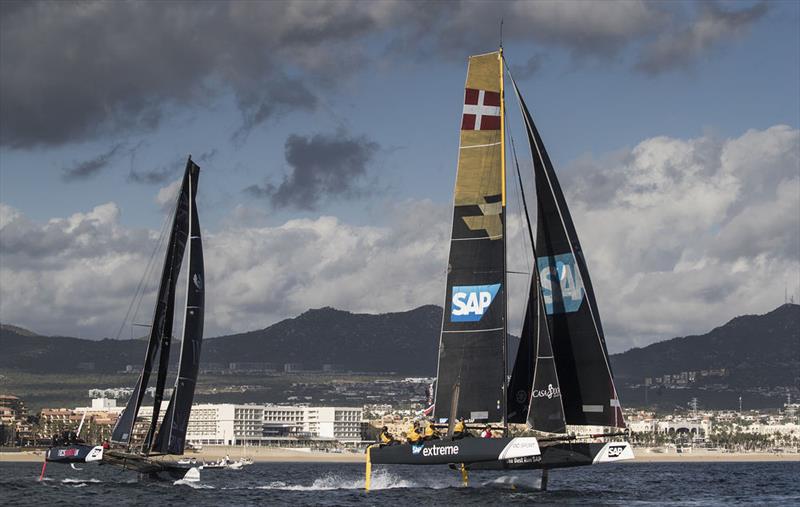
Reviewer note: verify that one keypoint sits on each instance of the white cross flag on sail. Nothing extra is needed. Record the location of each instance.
(481, 110)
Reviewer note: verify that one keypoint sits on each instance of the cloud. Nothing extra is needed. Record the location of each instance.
(686, 234)
(714, 25)
(87, 273)
(689, 233)
(75, 71)
(92, 167)
(322, 166)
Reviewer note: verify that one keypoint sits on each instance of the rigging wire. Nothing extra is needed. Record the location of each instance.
(138, 294)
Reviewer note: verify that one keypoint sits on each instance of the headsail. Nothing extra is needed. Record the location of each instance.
(161, 329)
(587, 384)
(534, 393)
(471, 370)
(172, 434)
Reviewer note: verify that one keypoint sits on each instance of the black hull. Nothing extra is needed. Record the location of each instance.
(74, 453)
(465, 450)
(564, 455)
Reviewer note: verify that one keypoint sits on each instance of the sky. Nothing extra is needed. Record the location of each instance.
(327, 134)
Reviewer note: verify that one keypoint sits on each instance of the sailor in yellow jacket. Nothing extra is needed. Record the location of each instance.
(431, 433)
(413, 434)
(387, 438)
(460, 430)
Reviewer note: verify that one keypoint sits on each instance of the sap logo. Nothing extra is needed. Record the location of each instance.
(562, 285)
(416, 449)
(445, 450)
(615, 451)
(470, 302)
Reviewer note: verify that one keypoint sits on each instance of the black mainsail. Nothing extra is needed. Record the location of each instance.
(161, 329)
(581, 358)
(172, 434)
(471, 370)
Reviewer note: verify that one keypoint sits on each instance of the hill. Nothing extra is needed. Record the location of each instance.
(762, 350)
(404, 342)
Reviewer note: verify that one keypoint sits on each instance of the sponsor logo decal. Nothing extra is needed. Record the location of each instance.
(470, 302)
(198, 282)
(562, 285)
(67, 452)
(615, 451)
(416, 448)
(521, 396)
(549, 393)
(524, 459)
(442, 450)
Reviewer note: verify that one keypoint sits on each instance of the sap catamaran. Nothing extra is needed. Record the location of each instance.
(561, 383)
(168, 438)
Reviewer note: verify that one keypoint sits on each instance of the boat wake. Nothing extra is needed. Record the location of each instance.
(514, 482)
(192, 484)
(380, 480)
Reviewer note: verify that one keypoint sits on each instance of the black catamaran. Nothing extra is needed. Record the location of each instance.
(561, 383)
(168, 438)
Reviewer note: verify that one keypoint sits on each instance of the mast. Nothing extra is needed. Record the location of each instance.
(504, 397)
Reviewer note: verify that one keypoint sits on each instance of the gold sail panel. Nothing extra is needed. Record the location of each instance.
(480, 174)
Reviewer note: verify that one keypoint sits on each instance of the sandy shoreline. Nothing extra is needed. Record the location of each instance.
(276, 455)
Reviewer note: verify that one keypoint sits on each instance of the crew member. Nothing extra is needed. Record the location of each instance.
(487, 432)
(413, 436)
(431, 433)
(460, 430)
(387, 438)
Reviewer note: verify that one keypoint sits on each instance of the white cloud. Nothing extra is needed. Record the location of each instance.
(680, 236)
(694, 232)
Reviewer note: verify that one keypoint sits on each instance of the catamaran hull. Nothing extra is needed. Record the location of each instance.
(564, 455)
(465, 450)
(75, 453)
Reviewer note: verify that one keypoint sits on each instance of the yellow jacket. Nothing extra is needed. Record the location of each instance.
(430, 431)
(386, 437)
(460, 427)
(413, 435)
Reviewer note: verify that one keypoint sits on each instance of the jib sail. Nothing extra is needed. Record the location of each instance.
(172, 434)
(534, 394)
(581, 358)
(471, 371)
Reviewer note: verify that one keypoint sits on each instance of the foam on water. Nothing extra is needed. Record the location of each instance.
(381, 479)
(192, 484)
(79, 481)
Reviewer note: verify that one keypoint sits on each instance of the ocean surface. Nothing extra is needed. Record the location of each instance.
(342, 484)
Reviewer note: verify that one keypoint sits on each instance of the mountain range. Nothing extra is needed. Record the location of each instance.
(755, 353)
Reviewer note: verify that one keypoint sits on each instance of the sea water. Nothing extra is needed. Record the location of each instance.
(343, 484)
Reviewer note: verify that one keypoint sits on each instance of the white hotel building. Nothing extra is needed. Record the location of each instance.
(257, 425)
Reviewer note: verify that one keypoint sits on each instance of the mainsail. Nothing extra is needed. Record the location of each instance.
(581, 357)
(161, 329)
(172, 434)
(471, 370)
